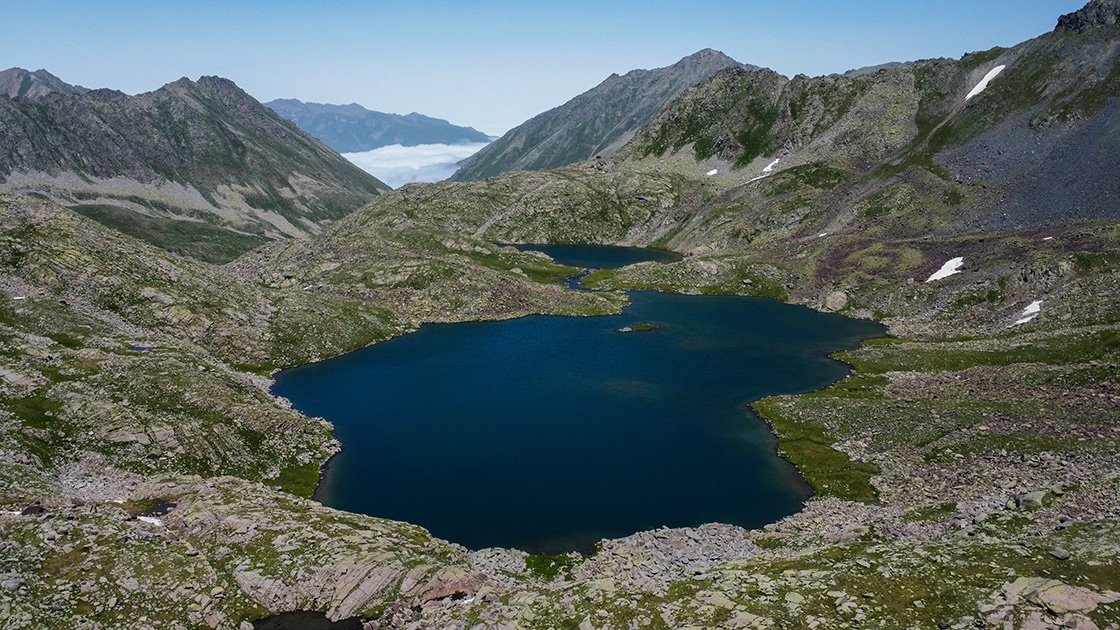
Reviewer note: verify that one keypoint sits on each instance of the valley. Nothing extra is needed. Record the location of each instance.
(964, 474)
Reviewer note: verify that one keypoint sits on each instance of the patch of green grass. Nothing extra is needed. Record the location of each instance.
(300, 480)
(535, 269)
(1096, 261)
(991, 297)
(888, 260)
(809, 448)
(1066, 349)
(888, 199)
(47, 318)
(856, 385)
(140, 507)
(974, 60)
(65, 563)
(938, 512)
(755, 136)
(992, 442)
(37, 411)
(203, 241)
(820, 175)
(743, 277)
(547, 567)
(770, 543)
(44, 434)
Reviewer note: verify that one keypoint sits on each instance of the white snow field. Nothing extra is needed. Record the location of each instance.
(1029, 313)
(983, 84)
(952, 266)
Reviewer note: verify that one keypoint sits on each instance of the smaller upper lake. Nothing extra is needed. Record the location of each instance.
(601, 256)
(549, 433)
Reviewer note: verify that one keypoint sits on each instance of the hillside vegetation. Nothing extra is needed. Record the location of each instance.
(966, 473)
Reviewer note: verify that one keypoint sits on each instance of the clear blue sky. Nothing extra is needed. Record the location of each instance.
(487, 64)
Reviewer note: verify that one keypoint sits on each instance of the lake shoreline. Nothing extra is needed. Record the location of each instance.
(792, 479)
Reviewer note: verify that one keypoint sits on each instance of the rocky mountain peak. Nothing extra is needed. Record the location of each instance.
(597, 122)
(219, 84)
(707, 53)
(20, 83)
(1096, 13)
(711, 58)
(211, 85)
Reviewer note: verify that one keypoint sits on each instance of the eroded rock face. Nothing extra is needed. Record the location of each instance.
(1057, 597)
(1096, 13)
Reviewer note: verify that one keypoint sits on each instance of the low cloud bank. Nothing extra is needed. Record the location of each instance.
(397, 165)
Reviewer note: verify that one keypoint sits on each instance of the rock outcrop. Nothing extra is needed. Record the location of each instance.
(1096, 13)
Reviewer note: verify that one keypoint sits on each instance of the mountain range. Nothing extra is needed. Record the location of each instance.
(198, 166)
(20, 83)
(353, 128)
(597, 122)
(965, 474)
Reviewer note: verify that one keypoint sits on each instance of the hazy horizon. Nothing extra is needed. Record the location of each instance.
(397, 165)
(486, 65)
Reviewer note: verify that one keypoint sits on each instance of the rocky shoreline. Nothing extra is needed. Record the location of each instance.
(1021, 516)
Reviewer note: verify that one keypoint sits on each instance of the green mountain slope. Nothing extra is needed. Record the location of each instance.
(596, 122)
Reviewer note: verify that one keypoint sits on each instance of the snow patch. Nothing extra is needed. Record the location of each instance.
(983, 84)
(1048, 238)
(20, 297)
(952, 266)
(1029, 313)
(767, 171)
(151, 520)
(712, 172)
(822, 235)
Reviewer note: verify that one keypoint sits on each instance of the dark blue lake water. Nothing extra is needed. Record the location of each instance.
(601, 256)
(550, 433)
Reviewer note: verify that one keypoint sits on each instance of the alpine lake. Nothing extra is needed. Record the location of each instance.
(548, 434)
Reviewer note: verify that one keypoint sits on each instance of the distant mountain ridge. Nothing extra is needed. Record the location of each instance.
(199, 167)
(353, 128)
(597, 122)
(20, 83)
